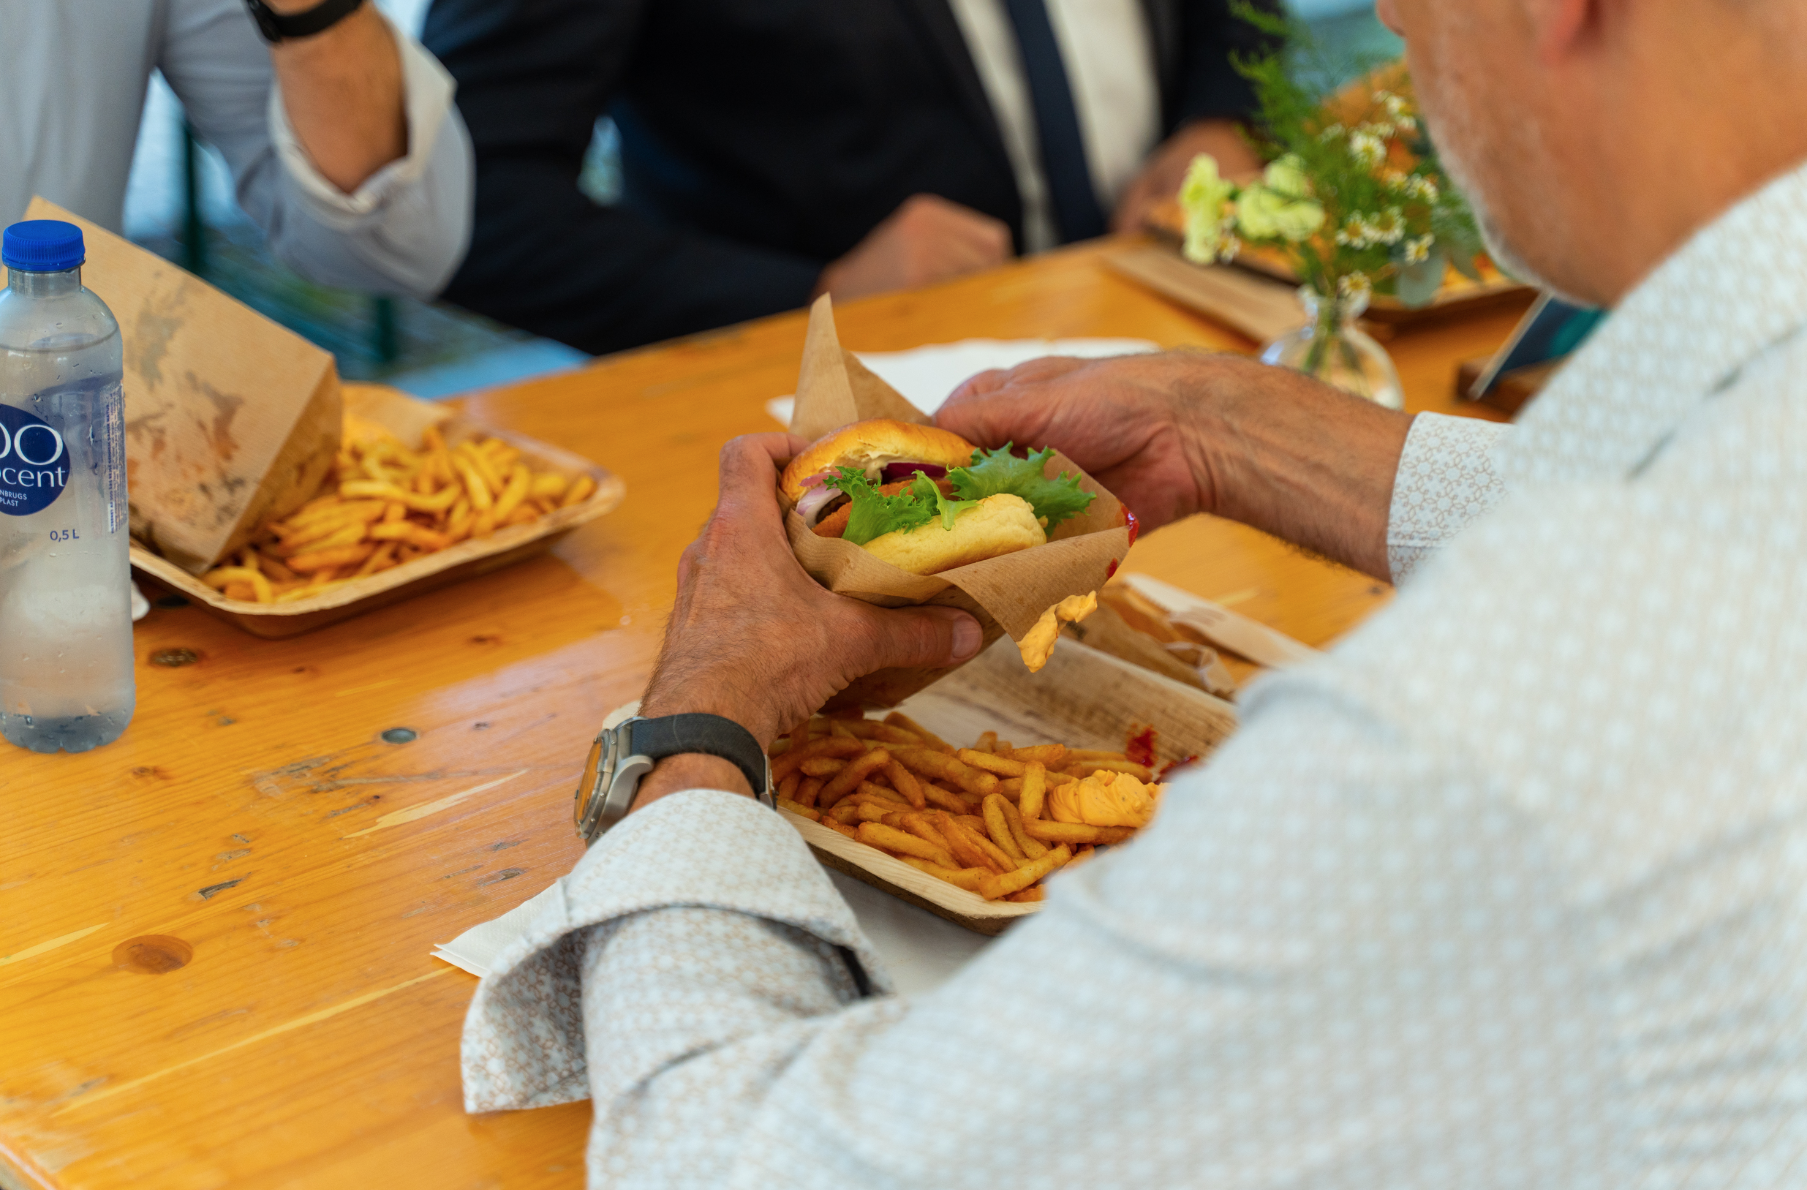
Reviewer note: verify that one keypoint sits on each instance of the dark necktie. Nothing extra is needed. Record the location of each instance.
(1064, 164)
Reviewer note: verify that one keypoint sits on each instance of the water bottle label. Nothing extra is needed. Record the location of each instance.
(34, 463)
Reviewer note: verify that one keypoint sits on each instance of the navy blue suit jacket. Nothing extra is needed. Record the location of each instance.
(760, 139)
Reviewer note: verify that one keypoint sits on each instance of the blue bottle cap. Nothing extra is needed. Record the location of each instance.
(42, 246)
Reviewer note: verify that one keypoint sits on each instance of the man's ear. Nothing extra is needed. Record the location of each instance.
(1559, 26)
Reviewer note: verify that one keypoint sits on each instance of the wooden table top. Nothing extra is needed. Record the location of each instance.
(214, 933)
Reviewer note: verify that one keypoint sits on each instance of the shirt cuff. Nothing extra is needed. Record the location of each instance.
(427, 90)
(1446, 479)
(523, 1042)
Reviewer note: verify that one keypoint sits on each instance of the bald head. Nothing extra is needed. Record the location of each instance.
(1595, 136)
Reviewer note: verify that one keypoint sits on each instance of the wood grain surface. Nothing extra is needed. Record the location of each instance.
(214, 933)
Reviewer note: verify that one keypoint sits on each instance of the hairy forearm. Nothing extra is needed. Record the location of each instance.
(343, 93)
(1302, 461)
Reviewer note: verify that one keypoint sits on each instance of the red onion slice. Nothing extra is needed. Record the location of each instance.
(810, 506)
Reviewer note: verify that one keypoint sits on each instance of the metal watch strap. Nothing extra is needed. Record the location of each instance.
(278, 27)
(711, 735)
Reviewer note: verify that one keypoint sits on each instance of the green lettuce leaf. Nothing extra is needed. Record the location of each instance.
(874, 514)
(926, 490)
(998, 471)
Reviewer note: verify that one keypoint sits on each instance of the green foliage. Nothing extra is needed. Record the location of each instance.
(1374, 210)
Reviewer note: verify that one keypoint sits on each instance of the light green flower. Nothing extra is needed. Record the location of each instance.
(1263, 213)
(1205, 198)
(1286, 177)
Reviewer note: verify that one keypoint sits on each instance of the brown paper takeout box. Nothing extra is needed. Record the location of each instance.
(1083, 698)
(230, 419)
(1007, 595)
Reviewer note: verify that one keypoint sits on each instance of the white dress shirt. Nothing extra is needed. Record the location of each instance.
(1110, 64)
(1507, 890)
(73, 75)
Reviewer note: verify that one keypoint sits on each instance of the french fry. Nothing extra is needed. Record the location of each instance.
(879, 793)
(1075, 833)
(475, 486)
(807, 790)
(381, 559)
(578, 492)
(888, 839)
(965, 848)
(936, 765)
(1001, 765)
(966, 878)
(872, 729)
(1032, 848)
(847, 813)
(993, 888)
(787, 788)
(822, 766)
(941, 799)
(905, 782)
(1035, 788)
(899, 719)
(831, 824)
(920, 826)
(821, 747)
(998, 827)
(330, 559)
(420, 535)
(520, 480)
(415, 501)
(1051, 756)
(482, 463)
(986, 742)
(1034, 893)
(848, 779)
(785, 803)
(226, 577)
(548, 485)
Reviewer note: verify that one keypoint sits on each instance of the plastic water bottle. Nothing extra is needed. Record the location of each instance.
(65, 580)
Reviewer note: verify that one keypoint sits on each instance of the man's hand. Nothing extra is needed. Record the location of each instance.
(1166, 167)
(927, 239)
(754, 639)
(342, 90)
(1182, 432)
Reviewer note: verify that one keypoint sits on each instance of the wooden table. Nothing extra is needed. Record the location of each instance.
(214, 934)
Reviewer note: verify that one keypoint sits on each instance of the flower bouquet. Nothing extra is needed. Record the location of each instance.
(1354, 202)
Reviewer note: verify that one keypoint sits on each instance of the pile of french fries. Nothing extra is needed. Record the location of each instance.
(385, 505)
(993, 819)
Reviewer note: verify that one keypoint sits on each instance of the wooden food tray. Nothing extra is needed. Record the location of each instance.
(407, 418)
(1459, 295)
(1083, 698)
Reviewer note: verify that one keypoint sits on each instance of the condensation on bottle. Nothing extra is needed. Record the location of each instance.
(65, 576)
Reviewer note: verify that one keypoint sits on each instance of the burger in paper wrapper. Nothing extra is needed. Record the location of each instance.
(888, 509)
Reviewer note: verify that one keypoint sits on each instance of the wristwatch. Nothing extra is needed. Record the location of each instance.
(622, 755)
(279, 26)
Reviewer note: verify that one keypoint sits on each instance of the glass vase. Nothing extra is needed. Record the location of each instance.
(1333, 348)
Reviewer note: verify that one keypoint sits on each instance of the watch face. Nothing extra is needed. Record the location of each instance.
(586, 785)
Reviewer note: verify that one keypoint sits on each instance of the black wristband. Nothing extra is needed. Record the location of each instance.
(711, 735)
(278, 27)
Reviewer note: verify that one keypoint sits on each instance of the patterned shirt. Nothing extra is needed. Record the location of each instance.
(1508, 890)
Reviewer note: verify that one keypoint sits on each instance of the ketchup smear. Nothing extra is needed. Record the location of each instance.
(1134, 525)
(1140, 745)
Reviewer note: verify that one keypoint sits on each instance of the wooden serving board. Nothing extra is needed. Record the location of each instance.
(407, 418)
(1082, 698)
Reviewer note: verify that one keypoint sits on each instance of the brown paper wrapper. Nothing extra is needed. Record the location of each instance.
(1006, 595)
(229, 418)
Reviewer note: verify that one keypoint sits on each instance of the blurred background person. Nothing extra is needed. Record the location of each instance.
(339, 130)
(776, 149)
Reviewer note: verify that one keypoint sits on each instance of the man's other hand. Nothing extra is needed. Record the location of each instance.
(1125, 420)
(753, 638)
(1181, 432)
(927, 239)
(1166, 167)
